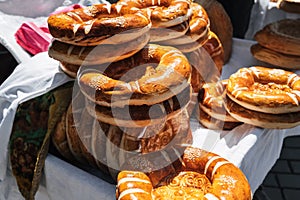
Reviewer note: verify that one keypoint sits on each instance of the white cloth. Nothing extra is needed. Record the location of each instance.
(30, 79)
(9, 25)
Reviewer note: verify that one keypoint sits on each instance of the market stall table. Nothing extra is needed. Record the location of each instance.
(253, 150)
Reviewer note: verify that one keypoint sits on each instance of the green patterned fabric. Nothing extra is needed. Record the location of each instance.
(34, 122)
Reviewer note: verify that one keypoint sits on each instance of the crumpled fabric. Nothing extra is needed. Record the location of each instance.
(32, 38)
(36, 39)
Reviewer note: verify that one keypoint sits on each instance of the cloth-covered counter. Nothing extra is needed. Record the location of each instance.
(253, 150)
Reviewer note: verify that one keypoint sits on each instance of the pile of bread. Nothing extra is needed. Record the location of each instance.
(138, 66)
(256, 95)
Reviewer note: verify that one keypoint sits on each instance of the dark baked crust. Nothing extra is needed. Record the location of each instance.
(212, 123)
(292, 6)
(282, 36)
(275, 58)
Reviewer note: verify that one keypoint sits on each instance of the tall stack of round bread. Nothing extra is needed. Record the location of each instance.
(131, 96)
(92, 35)
(136, 66)
(279, 44)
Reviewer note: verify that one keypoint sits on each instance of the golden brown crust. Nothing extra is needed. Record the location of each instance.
(69, 69)
(207, 62)
(185, 184)
(222, 173)
(211, 112)
(220, 24)
(211, 97)
(265, 89)
(275, 58)
(196, 80)
(163, 13)
(223, 179)
(263, 120)
(215, 49)
(81, 26)
(129, 181)
(281, 36)
(169, 73)
(199, 22)
(94, 55)
(192, 45)
(198, 28)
